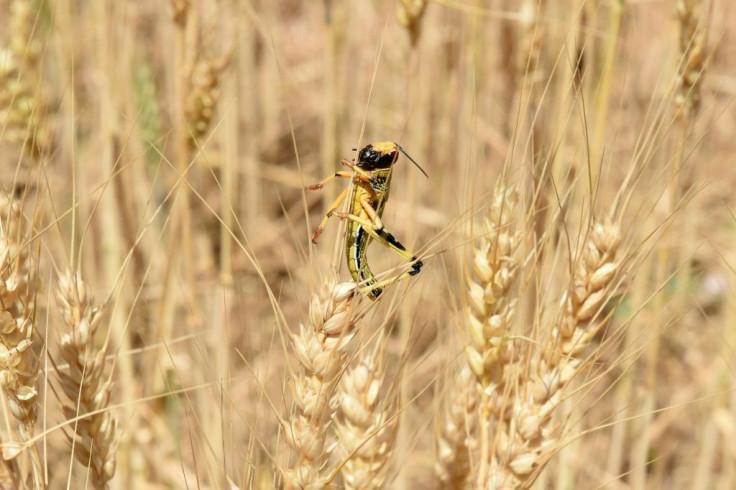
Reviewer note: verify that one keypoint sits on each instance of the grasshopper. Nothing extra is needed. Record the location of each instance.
(367, 198)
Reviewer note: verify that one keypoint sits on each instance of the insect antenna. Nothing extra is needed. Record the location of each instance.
(412, 160)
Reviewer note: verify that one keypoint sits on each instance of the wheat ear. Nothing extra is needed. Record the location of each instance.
(321, 348)
(410, 13)
(526, 437)
(491, 306)
(201, 99)
(369, 425)
(84, 382)
(19, 367)
(455, 437)
(21, 108)
(533, 33)
(692, 49)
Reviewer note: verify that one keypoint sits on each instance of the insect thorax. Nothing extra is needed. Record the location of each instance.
(380, 183)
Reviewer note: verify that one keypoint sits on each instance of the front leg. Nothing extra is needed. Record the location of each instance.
(316, 187)
(330, 212)
(359, 174)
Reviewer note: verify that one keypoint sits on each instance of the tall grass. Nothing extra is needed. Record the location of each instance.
(571, 327)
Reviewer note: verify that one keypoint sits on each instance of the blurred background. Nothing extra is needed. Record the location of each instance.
(161, 149)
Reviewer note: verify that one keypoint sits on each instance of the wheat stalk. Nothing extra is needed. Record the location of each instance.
(84, 383)
(321, 348)
(368, 429)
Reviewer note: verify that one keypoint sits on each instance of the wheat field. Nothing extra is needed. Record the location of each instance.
(166, 321)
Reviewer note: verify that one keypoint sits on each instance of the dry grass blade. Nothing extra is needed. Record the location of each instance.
(85, 383)
(321, 348)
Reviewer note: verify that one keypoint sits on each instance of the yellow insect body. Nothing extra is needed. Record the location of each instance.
(371, 184)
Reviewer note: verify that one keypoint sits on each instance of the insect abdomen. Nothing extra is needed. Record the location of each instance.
(357, 264)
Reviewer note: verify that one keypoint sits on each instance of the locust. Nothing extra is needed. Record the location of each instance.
(367, 197)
